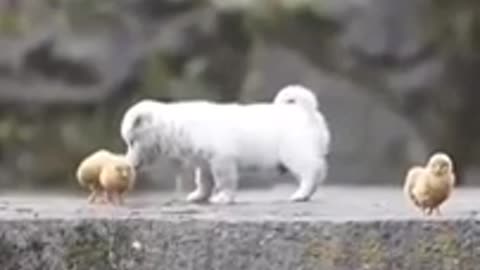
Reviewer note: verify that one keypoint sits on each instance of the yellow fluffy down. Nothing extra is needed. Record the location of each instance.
(107, 172)
(430, 186)
(117, 178)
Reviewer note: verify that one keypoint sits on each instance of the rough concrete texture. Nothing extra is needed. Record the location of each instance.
(341, 228)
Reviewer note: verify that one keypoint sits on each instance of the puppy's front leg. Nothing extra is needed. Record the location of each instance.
(204, 187)
(225, 176)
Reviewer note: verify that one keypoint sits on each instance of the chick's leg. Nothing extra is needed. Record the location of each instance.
(115, 198)
(108, 197)
(100, 196)
(94, 192)
(421, 211)
(91, 198)
(121, 198)
(438, 212)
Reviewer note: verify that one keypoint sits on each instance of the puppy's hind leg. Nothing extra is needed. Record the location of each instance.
(306, 189)
(204, 187)
(308, 175)
(305, 163)
(226, 181)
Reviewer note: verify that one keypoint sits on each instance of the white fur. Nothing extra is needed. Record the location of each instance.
(229, 137)
(299, 95)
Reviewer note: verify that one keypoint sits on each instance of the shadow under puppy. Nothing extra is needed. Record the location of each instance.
(108, 173)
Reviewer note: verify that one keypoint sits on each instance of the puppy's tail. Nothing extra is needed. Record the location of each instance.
(297, 94)
(305, 98)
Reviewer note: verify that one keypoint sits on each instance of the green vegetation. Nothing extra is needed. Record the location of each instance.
(10, 23)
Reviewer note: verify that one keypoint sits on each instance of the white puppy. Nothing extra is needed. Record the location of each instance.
(229, 137)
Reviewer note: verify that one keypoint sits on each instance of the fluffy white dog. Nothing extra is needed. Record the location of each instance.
(289, 133)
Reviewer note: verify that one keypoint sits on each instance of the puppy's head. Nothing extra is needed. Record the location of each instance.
(296, 94)
(440, 164)
(136, 118)
(136, 131)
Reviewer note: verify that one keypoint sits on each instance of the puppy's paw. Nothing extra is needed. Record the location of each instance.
(299, 197)
(197, 196)
(223, 197)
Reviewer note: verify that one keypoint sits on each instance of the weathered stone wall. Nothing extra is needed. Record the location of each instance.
(340, 229)
(396, 80)
(184, 243)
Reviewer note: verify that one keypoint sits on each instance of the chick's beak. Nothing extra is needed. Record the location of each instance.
(124, 173)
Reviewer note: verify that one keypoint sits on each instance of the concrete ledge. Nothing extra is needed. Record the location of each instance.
(345, 229)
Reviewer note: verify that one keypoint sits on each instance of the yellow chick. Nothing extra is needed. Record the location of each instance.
(88, 172)
(117, 177)
(428, 187)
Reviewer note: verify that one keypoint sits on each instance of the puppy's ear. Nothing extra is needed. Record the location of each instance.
(140, 123)
(142, 120)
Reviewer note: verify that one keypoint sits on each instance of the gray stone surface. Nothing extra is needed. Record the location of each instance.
(341, 228)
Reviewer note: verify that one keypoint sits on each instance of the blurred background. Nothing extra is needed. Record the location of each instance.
(395, 79)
